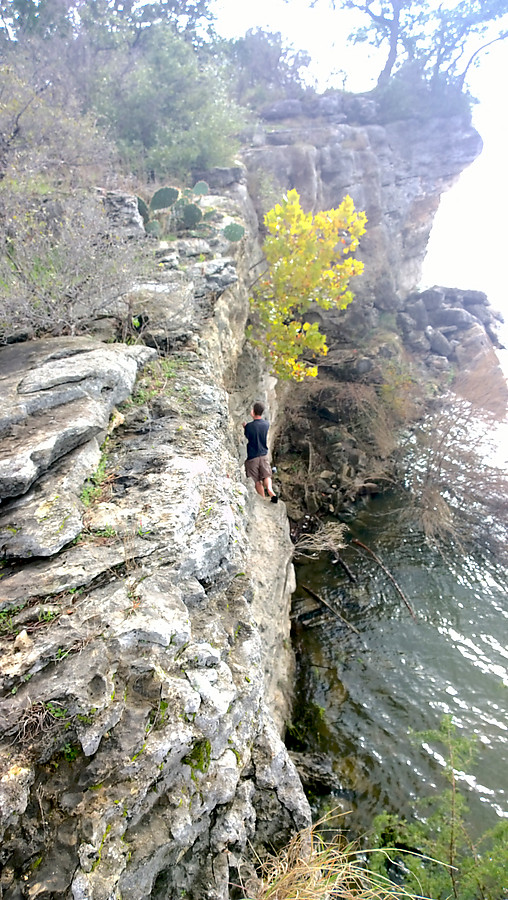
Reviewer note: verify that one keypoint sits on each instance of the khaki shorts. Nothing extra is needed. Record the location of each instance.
(258, 468)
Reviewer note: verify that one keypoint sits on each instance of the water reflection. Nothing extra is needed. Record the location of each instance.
(396, 676)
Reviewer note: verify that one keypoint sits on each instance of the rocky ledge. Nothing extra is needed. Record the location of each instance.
(143, 607)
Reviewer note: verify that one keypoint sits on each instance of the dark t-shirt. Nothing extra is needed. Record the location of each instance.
(256, 432)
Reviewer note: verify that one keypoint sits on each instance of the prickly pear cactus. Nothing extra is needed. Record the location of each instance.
(233, 232)
(164, 198)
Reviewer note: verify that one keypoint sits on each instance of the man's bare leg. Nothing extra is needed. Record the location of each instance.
(268, 485)
(260, 489)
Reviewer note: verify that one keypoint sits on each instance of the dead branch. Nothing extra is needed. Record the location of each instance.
(389, 574)
(329, 537)
(331, 608)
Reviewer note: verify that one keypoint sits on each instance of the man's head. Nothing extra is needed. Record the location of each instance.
(258, 409)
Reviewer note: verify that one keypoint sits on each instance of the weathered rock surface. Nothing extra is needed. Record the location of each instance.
(394, 170)
(145, 644)
(58, 394)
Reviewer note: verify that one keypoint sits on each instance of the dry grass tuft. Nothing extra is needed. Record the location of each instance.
(312, 869)
(329, 536)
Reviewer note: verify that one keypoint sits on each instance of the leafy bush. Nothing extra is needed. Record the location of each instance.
(446, 862)
(61, 263)
(157, 104)
(310, 261)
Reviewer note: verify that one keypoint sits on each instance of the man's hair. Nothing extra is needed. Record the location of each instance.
(258, 408)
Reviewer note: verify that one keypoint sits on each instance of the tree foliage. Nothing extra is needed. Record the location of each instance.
(310, 260)
(264, 68)
(445, 861)
(142, 70)
(43, 133)
(156, 102)
(442, 38)
(20, 19)
(60, 260)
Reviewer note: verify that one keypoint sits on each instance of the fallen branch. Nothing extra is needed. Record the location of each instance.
(345, 567)
(389, 574)
(331, 608)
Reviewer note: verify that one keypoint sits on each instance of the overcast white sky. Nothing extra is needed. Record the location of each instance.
(469, 242)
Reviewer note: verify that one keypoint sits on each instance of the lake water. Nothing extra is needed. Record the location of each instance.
(398, 675)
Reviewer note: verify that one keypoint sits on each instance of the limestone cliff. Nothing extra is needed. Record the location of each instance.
(144, 611)
(144, 597)
(395, 170)
(338, 434)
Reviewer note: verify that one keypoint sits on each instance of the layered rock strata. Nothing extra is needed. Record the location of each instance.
(143, 603)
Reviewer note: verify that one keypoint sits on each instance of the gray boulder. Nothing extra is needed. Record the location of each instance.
(439, 344)
(457, 316)
(58, 393)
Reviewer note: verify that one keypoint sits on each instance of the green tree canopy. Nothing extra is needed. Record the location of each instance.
(138, 69)
(265, 68)
(46, 18)
(156, 101)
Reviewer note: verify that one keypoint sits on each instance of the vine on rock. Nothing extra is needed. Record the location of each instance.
(310, 260)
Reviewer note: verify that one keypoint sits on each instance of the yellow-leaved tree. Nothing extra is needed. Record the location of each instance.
(310, 260)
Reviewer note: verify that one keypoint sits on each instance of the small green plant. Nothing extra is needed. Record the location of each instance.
(99, 852)
(106, 532)
(93, 486)
(154, 380)
(140, 751)
(71, 752)
(47, 615)
(6, 619)
(157, 716)
(56, 710)
(446, 862)
(83, 719)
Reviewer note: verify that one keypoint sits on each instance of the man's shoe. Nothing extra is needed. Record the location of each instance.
(274, 499)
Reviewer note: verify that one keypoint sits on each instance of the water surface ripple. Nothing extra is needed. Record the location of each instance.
(399, 675)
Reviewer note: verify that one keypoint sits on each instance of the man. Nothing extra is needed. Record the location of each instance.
(257, 465)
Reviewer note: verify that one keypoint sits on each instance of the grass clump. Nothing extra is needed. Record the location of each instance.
(94, 486)
(312, 868)
(154, 381)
